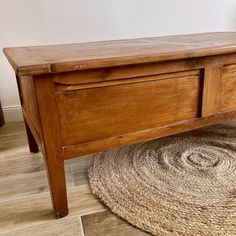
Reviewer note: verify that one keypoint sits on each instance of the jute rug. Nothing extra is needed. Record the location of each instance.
(180, 185)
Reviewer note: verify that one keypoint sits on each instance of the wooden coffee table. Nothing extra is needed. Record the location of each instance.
(84, 98)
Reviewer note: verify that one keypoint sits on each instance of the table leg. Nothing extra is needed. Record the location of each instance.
(2, 121)
(51, 146)
(57, 183)
(33, 146)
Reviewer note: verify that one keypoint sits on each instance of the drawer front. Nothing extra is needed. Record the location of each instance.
(228, 89)
(100, 112)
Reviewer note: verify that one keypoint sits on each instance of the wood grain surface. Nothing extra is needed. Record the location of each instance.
(70, 57)
(228, 91)
(211, 91)
(51, 147)
(106, 223)
(99, 113)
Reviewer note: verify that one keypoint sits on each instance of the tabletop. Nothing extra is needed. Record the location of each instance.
(36, 60)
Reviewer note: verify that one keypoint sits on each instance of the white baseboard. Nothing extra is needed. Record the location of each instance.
(12, 113)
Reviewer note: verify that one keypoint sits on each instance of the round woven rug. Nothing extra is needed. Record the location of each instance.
(180, 185)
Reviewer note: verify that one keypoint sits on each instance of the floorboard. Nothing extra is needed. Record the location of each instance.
(25, 200)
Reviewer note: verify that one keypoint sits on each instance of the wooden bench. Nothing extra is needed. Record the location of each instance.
(84, 98)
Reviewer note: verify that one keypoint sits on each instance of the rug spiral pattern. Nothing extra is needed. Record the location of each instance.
(180, 185)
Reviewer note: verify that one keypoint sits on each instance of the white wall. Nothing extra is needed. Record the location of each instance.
(34, 22)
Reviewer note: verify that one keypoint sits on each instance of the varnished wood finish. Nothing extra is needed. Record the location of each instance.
(33, 146)
(63, 85)
(144, 135)
(141, 70)
(52, 144)
(71, 57)
(99, 113)
(211, 91)
(148, 134)
(30, 111)
(29, 100)
(83, 98)
(228, 91)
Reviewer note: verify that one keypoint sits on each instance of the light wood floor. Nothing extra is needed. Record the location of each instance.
(25, 206)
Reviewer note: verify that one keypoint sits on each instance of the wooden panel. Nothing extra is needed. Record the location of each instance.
(228, 91)
(100, 113)
(37, 135)
(69, 87)
(29, 100)
(72, 57)
(211, 91)
(133, 71)
(144, 135)
(229, 69)
(30, 111)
